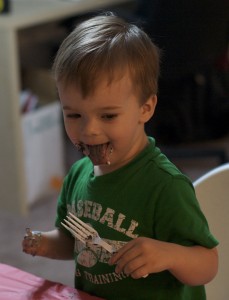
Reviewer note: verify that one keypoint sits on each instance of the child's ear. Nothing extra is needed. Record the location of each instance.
(148, 109)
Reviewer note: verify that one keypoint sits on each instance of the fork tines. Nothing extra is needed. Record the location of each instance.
(78, 228)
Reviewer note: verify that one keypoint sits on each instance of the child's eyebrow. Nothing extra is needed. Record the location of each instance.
(111, 107)
(66, 107)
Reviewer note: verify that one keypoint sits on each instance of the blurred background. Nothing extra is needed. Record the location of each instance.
(191, 123)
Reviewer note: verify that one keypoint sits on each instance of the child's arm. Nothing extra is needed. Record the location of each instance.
(194, 265)
(52, 244)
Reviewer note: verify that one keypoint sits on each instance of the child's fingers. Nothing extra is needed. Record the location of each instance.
(132, 264)
(28, 245)
(116, 257)
(140, 272)
(128, 264)
(31, 242)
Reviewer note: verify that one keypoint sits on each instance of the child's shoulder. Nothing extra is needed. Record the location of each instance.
(80, 166)
(161, 167)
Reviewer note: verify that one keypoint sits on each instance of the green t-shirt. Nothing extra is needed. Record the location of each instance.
(147, 197)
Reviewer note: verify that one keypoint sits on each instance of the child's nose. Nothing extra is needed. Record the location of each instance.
(90, 127)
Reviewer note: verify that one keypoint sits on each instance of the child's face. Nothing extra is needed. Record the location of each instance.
(108, 124)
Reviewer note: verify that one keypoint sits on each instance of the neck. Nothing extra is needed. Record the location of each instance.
(100, 170)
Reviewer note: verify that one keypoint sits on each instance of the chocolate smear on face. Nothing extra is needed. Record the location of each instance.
(98, 154)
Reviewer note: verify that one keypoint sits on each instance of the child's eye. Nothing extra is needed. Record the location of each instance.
(73, 116)
(109, 117)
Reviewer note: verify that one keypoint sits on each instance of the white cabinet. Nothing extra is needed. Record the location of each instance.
(43, 150)
(14, 156)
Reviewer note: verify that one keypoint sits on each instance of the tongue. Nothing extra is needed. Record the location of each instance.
(98, 154)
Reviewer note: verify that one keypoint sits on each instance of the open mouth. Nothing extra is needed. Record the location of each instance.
(99, 154)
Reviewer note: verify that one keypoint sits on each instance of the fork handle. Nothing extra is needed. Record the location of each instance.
(106, 246)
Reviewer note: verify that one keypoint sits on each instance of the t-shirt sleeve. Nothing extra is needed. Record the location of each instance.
(179, 218)
(62, 207)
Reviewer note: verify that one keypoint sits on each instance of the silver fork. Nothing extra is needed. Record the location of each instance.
(84, 232)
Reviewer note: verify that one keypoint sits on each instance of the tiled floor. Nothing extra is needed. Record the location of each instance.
(42, 215)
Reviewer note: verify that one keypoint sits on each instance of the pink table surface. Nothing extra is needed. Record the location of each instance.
(16, 284)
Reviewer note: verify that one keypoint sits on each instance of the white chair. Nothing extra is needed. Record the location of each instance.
(212, 190)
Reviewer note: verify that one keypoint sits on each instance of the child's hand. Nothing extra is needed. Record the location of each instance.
(31, 242)
(53, 244)
(142, 256)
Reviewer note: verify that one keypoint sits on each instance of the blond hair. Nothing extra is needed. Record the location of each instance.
(106, 45)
